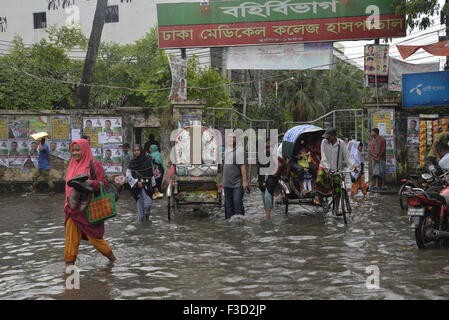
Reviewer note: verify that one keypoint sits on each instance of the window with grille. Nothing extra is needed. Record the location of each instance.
(40, 20)
(111, 14)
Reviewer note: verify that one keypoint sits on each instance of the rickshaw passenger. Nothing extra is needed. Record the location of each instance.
(301, 167)
(334, 157)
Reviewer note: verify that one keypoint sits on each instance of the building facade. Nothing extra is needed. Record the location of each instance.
(126, 20)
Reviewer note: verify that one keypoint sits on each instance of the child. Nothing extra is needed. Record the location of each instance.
(357, 178)
(302, 170)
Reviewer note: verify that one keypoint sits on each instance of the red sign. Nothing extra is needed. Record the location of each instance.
(293, 31)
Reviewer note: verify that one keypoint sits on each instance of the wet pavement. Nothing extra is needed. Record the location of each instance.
(199, 255)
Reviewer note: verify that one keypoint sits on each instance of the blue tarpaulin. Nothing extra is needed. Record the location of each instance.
(292, 135)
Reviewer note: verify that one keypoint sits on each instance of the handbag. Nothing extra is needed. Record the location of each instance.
(156, 172)
(111, 188)
(102, 207)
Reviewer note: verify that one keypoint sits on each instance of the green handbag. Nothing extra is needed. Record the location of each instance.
(102, 207)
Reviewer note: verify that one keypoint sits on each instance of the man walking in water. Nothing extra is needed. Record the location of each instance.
(43, 167)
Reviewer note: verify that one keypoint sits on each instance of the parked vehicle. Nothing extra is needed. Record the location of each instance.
(428, 211)
(190, 183)
(424, 181)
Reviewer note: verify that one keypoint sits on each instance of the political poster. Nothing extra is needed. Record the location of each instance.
(96, 152)
(60, 128)
(34, 152)
(4, 149)
(18, 129)
(18, 153)
(60, 149)
(38, 124)
(103, 131)
(112, 160)
(3, 128)
(376, 64)
(413, 131)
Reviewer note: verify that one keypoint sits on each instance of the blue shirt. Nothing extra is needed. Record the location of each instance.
(43, 161)
(444, 163)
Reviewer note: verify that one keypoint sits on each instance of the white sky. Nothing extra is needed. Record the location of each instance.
(355, 49)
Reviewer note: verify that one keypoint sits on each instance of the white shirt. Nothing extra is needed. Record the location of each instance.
(444, 163)
(329, 155)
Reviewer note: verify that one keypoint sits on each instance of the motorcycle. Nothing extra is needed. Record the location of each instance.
(425, 181)
(428, 211)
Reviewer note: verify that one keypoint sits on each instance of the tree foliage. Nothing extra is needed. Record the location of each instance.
(418, 12)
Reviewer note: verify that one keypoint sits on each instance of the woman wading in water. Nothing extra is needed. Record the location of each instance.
(76, 225)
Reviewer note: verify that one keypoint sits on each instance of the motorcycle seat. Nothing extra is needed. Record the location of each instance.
(444, 199)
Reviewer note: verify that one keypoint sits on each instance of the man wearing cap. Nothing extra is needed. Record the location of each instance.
(334, 157)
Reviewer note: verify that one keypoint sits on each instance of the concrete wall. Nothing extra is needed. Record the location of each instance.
(131, 118)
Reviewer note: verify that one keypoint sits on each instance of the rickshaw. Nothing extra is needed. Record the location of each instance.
(287, 193)
(194, 179)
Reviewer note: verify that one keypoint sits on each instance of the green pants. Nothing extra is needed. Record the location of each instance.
(46, 176)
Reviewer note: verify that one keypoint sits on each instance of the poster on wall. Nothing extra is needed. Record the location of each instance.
(3, 128)
(103, 131)
(412, 131)
(18, 129)
(376, 64)
(384, 121)
(38, 124)
(34, 153)
(96, 152)
(4, 153)
(60, 149)
(60, 128)
(112, 160)
(18, 153)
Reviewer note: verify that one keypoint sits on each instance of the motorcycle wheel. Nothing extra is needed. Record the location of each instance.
(423, 236)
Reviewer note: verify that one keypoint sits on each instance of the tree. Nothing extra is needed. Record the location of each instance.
(418, 12)
(31, 76)
(91, 56)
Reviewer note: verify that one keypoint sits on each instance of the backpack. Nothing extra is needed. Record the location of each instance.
(111, 188)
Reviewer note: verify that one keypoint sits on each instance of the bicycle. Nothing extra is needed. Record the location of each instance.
(344, 197)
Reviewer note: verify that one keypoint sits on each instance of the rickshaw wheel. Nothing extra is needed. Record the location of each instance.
(284, 201)
(171, 206)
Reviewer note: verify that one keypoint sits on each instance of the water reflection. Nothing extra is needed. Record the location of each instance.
(199, 255)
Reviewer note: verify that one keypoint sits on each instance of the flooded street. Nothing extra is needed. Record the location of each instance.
(202, 256)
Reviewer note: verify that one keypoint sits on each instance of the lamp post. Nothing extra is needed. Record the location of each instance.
(278, 83)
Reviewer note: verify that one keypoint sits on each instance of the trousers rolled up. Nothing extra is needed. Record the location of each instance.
(45, 174)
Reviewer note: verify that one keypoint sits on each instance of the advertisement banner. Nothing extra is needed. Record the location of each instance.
(298, 56)
(398, 68)
(178, 69)
(234, 23)
(425, 89)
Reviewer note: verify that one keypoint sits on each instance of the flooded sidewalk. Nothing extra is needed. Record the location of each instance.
(199, 255)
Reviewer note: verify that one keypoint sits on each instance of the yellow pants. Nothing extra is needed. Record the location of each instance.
(73, 239)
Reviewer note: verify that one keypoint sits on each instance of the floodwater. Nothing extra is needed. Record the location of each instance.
(202, 256)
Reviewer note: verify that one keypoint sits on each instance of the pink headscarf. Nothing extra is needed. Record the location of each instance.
(78, 167)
